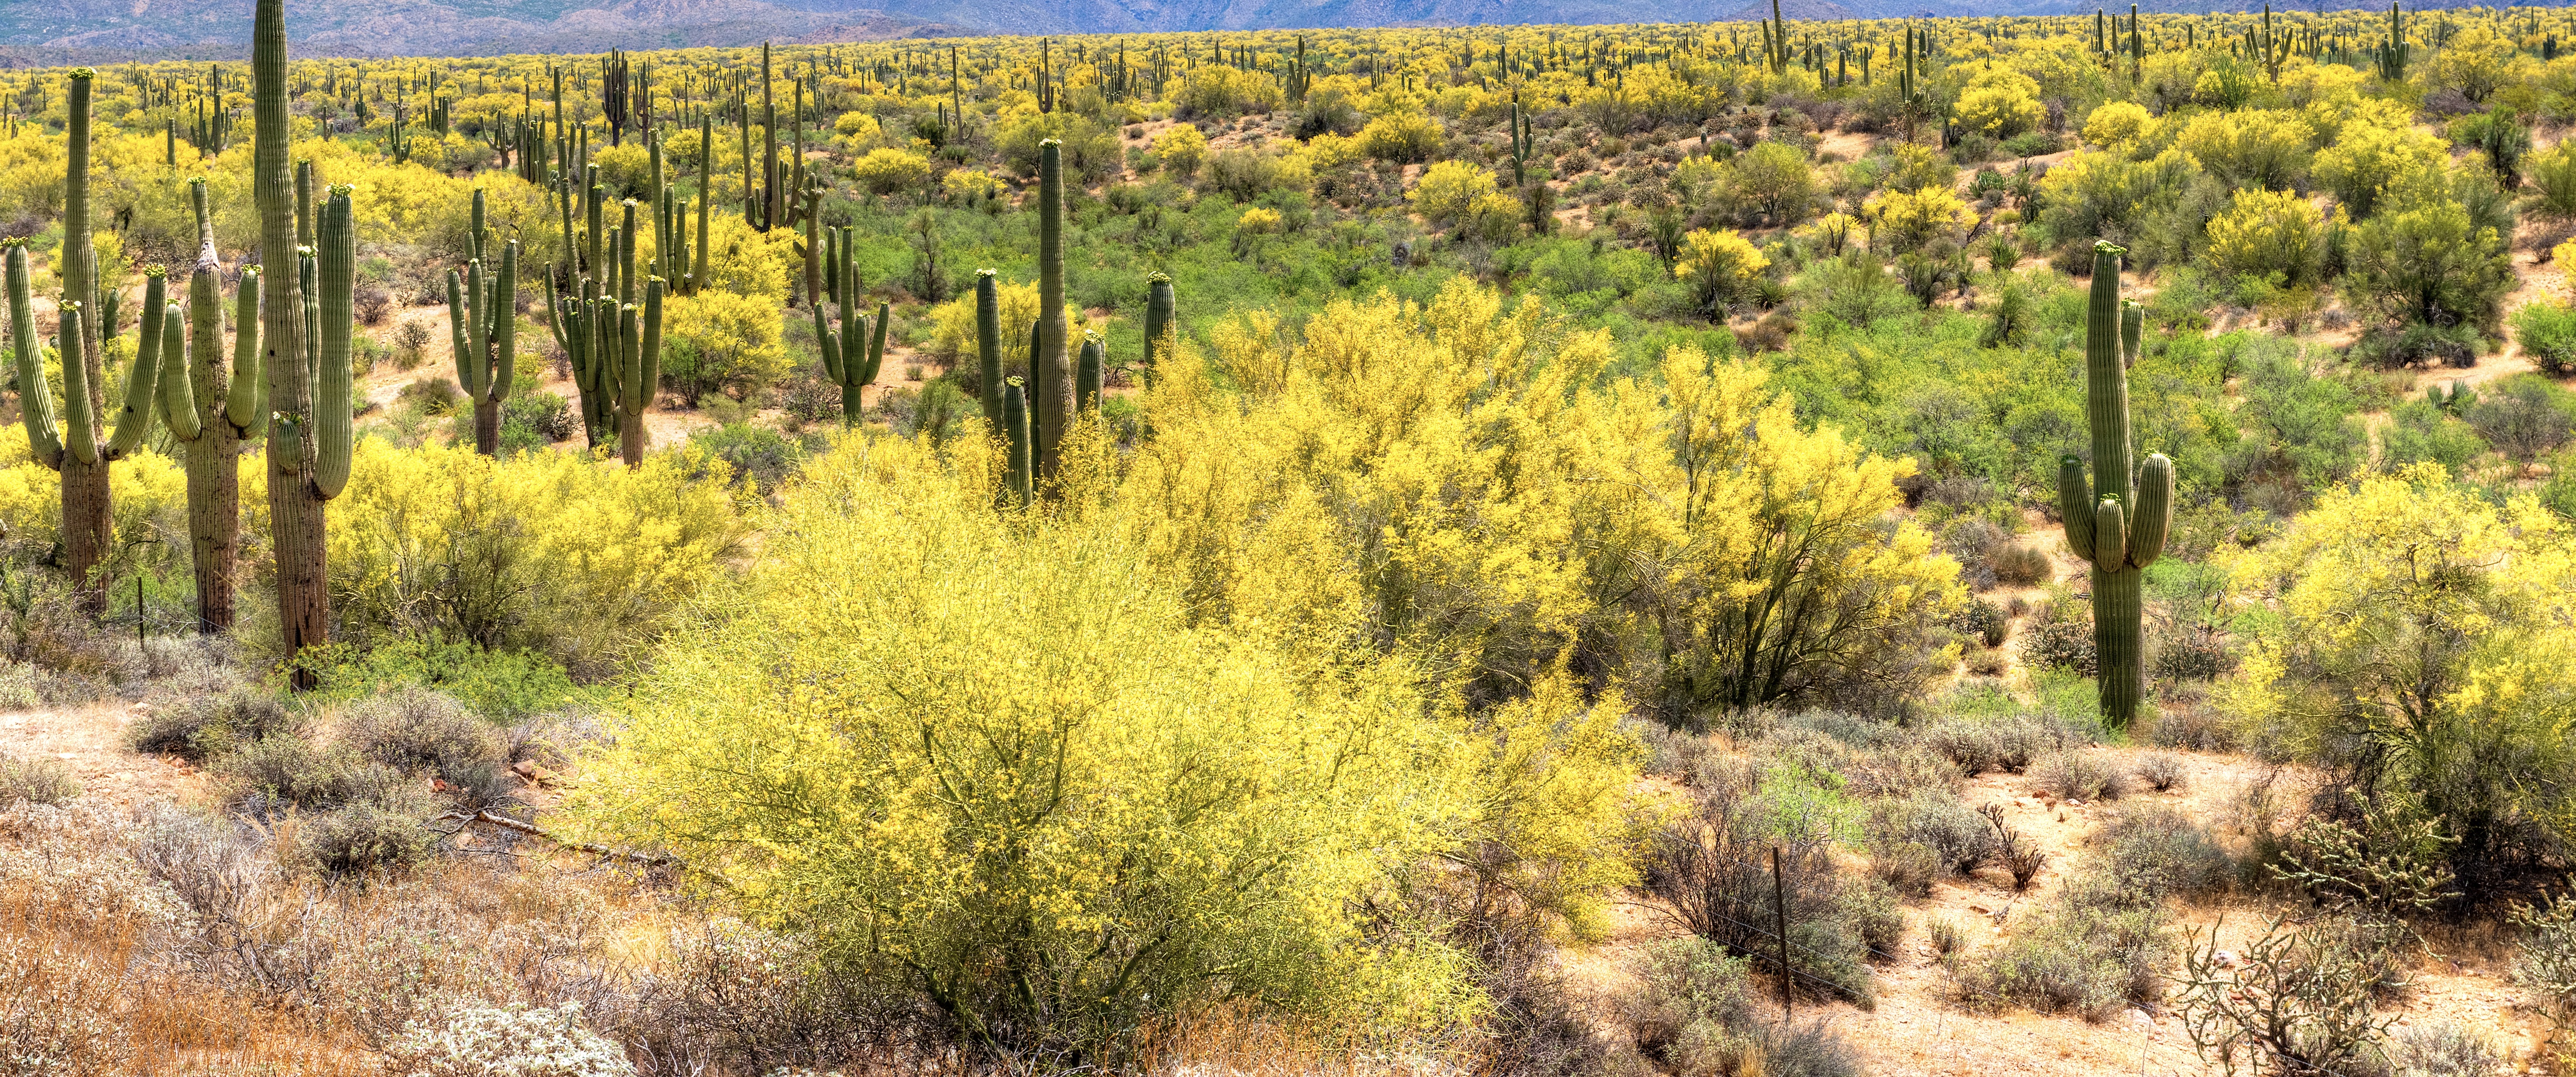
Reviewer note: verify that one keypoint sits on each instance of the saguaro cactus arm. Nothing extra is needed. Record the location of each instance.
(2149, 524)
(35, 398)
(246, 401)
(178, 399)
(142, 383)
(335, 265)
(80, 434)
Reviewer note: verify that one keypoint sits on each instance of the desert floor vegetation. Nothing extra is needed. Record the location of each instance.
(1966, 546)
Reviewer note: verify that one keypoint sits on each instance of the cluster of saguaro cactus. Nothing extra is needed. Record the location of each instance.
(209, 409)
(483, 322)
(2117, 521)
(2390, 57)
(852, 355)
(1775, 41)
(614, 344)
(73, 449)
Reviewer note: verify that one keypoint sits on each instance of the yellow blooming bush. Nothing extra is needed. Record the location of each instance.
(2264, 232)
(886, 170)
(1720, 267)
(580, 558)
(1905, 220)
(2118, 123)
(1447, 191)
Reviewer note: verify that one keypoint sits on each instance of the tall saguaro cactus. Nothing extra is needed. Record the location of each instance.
(988, 342)
(1047, 368)
(209, 409)
(308, 444)
(86, 530)
(2117, 521)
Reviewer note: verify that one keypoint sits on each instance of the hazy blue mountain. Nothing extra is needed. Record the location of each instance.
(55, 31)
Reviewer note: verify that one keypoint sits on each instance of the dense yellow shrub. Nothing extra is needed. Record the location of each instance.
(2264, 232)
(1905, 220)
(2257, 147)
(994, 759)
(583, 559)
(886, 170)
(1403, 137)
(2117, 123)
(1182, 149)
(1452, 479)
(1449, 189)
(718, 341)
(1719, 266)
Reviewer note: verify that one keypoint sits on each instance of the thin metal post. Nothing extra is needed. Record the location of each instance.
(1780, 922)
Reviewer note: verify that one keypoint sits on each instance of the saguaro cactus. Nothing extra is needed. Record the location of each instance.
(209, 409)
(86, 530)
(1016, 483)
(1086, 375)
(852, 356)
(1047, 368)
(1160, 325)
(988, 343)
(2117, 521)
(483, 325)
(308, 450)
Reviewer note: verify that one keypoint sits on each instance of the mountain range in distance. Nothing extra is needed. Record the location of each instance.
(44, 32)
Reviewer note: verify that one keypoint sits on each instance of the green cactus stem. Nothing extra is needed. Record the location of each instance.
(1047, 366)
(87, 530)
(35, 397)
(336, 263)
(1160, 328)
(142, 385)
(1086, 375)
(988, 342)
(295, 502)
(2117, 521)
(1016, 482)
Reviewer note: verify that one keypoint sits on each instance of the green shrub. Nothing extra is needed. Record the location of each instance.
(434, 395)
(759, 457)
(2418, 431)
(2161, 852)
(2547, 332)
(2524, 416)
(415, 730)
(361, 837)
(2075, 774)
(269, 776)
(2097, 948)
(504, 687)
(542, 415)
(2054, 643)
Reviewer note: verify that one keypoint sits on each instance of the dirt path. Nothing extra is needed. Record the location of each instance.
(91, 740)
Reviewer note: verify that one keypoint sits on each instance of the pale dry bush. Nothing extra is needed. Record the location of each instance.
(467, 1038)
(57, 1016)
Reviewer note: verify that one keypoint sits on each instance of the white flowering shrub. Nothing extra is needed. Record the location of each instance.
(475, 1039)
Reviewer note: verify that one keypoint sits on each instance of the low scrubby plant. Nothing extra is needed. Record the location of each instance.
(2075, 774)
(469, 1038)
(2162, 771)
(202, 727)
(2095, 949)
(37, 781)
(1694, 1011)
(2162, 852)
